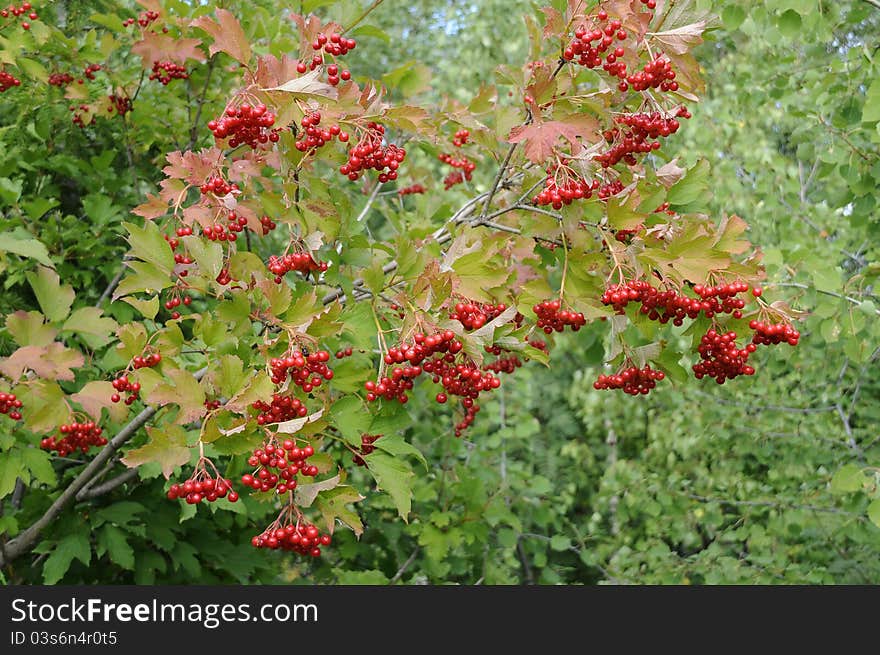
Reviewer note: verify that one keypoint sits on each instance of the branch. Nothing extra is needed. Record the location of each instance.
(111, 286)
(193, 131)
(369, 204)
(768, 503)
(107, 487)
(799, 285)
(497, 181)
(405, 566)
(28, 539)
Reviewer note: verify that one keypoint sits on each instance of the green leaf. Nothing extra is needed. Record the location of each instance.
(73, 546)
(789, 23)
(10, 470)
(848, 478)
(184, 391)
(394, 476)
(733, 16)
(114, 542)
(55, 300)
(167, 446)
(871, 110)
(26, 247)
(207, 254)
(148, 244)
(333, 505)
(559, 542)
(90, 320)
(351, 417)
(395, 444)
(30, 329)
(144, 277)
(874, 512)
(39, 463)
(694, 185)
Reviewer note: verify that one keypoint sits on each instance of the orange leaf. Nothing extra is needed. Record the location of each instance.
(227, 34)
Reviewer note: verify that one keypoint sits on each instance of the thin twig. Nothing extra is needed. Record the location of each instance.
(405, 566)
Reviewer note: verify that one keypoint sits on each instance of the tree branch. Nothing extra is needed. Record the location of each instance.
(111, 484)
(28, 539)
(405, 566)
(194, 130)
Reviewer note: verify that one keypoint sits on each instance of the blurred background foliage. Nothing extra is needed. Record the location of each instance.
(772, 481)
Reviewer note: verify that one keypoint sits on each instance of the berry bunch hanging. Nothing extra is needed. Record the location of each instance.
(7, 81)
(371, 152)
(632, 380)
(282, 408)
(10, 405)
(291, 532)
(553, 318)
(411, 189)
(302, 262)
(367, 447)
(203, 484)
(75, 437)
(165, 71)
(245, 125)
(563, 185)
(307, 371)
(474, 315)
(312, 137)
(277, 466)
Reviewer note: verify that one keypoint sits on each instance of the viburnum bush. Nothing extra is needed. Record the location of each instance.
(253, 260)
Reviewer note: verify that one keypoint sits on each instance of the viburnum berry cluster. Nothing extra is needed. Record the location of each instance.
(505, 364)
(334, 45)
(7, 81)
(75, 437)
(302, 262)
(10, 405)
(563, 185)
(120, 104)
(291, 532)
(553, 318)
(267, 224)
(245, 125)
(664, 306)
(60, 79)
(632, 380)
(280, 409)
(218, 186)
(628, 143)
(20, 10)
(278, 465)
(203, 484)
(721, 358)
(474, 315)
(123, 385)
(411, 189)
(143, 19)
(461, 137)
(371, 152)
(313, 137)
(307, 371)
(770, 334)
(228, 232)
(465, 170)
(165, 71)
(345, 352)
(367, 447)
(89, 71)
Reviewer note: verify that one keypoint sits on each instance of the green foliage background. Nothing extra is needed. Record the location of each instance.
(771, 479)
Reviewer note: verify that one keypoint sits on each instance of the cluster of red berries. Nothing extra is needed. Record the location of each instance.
(267, 224)
(335, 45)
(303, 538)
(175, 301)
(657, 73)
(211, 405)
(123, 385)
(90, 70)
(552, 318)
(224, 277)
(770, 334)
(721, 359)
(281, 409)
(302, 262)
(75, 437)
(60, 79)
(21, 10)
(470, 413)
(367, 447)
(412, 188)
(345, 352)
(633, 380)
(9, 405)
(474, 315)
(460, 138)
(165, 71)
(218, 186)
(307, 371)
(77, 116)
(144, 19)
(8, 81)
(203, 487)
(147, 361)
(562, 186)
(277, 466)
(609, 189)
(245, 125)
(396, 386)
(371, 153)
(669, 305)
(120, 104)
(465, 169)
(335, 74)
(313, 137)
(588, 47)
(507, 364)
(228, 232)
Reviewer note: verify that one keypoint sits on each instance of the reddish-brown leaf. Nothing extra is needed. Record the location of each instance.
(540, 139)
(161, 47)
(53, 362)
(227, 34)
(153, 208)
